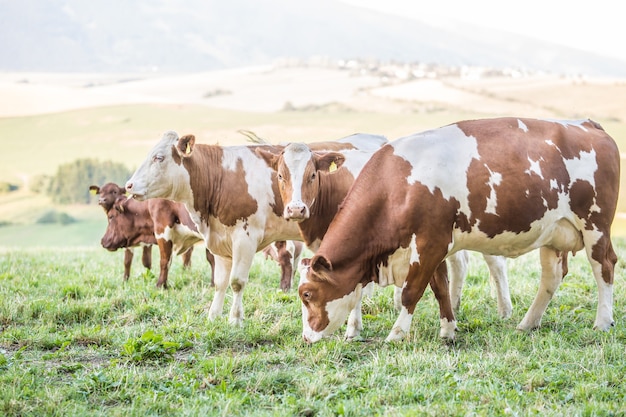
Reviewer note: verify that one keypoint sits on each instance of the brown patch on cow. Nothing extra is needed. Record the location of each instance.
(278, 206)
(218, 192)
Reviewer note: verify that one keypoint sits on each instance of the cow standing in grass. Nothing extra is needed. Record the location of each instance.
(313, 185)
(157, 221)
(231, 194)
(499, 186)
(107, 194)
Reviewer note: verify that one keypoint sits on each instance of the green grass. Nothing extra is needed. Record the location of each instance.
(76, 340)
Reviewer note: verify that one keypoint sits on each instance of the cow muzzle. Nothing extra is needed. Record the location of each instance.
(296, 210)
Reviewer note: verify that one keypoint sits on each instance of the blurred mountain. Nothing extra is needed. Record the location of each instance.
(200, 35)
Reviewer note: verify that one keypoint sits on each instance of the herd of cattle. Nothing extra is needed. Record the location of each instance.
(379, 211)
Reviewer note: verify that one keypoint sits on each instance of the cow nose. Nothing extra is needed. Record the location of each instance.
(129, 186)
(296, 210)
(306, 339)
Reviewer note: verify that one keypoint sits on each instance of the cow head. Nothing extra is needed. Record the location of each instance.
(129, 224)
(325, 304)
(298, 170)
(115, 236)
(162, 174)
(108, 193)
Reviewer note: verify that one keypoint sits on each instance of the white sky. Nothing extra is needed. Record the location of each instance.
(598, 26)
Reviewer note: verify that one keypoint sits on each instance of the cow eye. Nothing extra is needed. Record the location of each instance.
(313, 175)
(280, 177)
(158, 158)
(306, 295)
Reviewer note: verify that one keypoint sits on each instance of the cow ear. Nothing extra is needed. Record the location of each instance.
(185, 145)
(269, 155)
(329, 161)
(321, 266)
(94, 189)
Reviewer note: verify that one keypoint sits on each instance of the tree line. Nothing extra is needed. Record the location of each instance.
(70, 184)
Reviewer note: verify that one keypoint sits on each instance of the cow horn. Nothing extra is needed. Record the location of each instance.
(253, 137)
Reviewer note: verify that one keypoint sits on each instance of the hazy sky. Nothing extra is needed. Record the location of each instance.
(598, 25)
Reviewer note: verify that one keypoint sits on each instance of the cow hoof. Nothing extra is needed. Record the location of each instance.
(527, 325)
(604, 326)
(506, 314)
(235, 321)
(448, 329)
(396, 335)
(352, 335)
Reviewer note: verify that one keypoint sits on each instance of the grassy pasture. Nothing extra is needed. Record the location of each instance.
(76, 340)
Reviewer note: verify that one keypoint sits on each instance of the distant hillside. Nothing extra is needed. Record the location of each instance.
(200, 35)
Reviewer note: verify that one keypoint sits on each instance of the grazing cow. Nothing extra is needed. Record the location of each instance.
(108, 193)
(287, 255)
(155, 221)
(231, 194)
(313, 185)
(501, 186)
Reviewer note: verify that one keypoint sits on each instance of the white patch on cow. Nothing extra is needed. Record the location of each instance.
(447, 329)
(296, 157)
(356, 160)
(340, 308)
(521, 125)
(365, 141)
(398, 264)
(401, 327)
(181, 236)
(567, 123)
(582, 168)
(452, 156)
(554, 184)
(534, 168)
(495, 179)
(337, 310)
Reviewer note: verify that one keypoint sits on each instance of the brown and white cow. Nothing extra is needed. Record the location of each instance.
(157, 221)
(287, 255)
(107, 194)
(231, 194)
(313, 185)
(499, 186)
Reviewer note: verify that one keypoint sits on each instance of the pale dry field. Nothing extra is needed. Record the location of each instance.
(268, 89)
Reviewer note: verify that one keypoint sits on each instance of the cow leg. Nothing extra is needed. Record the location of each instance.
(128, 260)
(551, 276)
(439, 285)
(286, 266)
(211, 260)
(458, 262)
(146, 256)
(187, 257)
(499, 281)
(242, 262)
(165, 252)
(397, 297)
(416, 282)
(355, 320)
(603, 271)
(220, 276)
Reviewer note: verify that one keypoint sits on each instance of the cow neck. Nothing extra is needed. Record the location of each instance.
(218, 192)
(362, 235)
(332, 190)
(143, 227)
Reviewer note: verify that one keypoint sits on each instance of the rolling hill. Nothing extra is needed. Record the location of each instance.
(201, 35)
